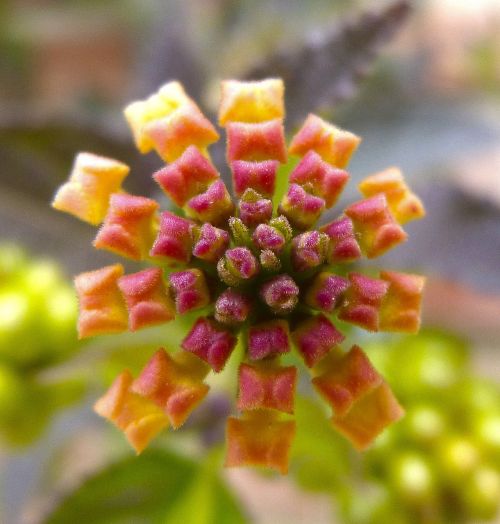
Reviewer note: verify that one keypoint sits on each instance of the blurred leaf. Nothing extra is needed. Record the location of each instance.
(158, 486)
(327, 70)
(466, 231)
(320, 456)
(25, 416)
(38, 152)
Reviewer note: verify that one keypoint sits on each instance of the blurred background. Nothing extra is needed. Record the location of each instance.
(420, 82)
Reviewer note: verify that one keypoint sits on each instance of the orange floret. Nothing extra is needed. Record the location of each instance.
(102, 309)
(256, 141)
(403, 203)
(147, 299)
(256, 101)
(185, 127)
(400, 309)
(260, 438)
(129, 227)
(369, 417)
(174, 383)
(139, 418)
(92, 180)
(376, 229)
(169, 121)
(333, 144)
(266, 387)
(164, 102)
(346, 380)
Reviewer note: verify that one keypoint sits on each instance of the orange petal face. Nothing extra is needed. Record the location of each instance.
(403, 203)
(347, 380)
(164, 102)
(139, 418)
(102, 309)
(92, 180)
(266, 387)
(251, 101)
(375, 226)
(147, 299)
(333, 144)
(173, 384)
(259, 439)
(173, 134)
(213, 206)
(187, 177)
(400, 310)
(363, 300)
(343, 245)
(129, 227)
(315, 337)
(174, 240)
(325, 180)
(369, 417)
(256, 142)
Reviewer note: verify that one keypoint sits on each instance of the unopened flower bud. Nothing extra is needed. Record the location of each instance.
(138, 417)
(190, 290)
(210, 342)
(326, 181)
(268, 237)
(363, 301)
(300, 207)
(268, 339)
(315, 337)
(240, 232)
(210, 243)
(266, 387)
(403, 203)
(174, 383)
(269, 261)
(237, 265)
(260, 438)
(281, 294)
(93, 179)
(343, 245)
(309, 250)
(400, 310)
(255, 101)
(232, 307)
(102, 308)
(325, 291)
(214, 205)
(254, 209)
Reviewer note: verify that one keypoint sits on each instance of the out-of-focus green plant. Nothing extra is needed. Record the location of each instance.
(37, 318)
(441, 463)
(157, 487)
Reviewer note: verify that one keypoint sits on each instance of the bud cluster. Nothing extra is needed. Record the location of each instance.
(258, 270)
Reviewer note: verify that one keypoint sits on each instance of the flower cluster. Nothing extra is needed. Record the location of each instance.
(272, 280)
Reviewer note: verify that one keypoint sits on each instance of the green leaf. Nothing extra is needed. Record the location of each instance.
(158, 486)
(207, 493)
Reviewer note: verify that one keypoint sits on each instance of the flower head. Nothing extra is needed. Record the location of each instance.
(271, 278)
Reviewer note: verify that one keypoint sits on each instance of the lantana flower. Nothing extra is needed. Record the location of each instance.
(273, 279)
